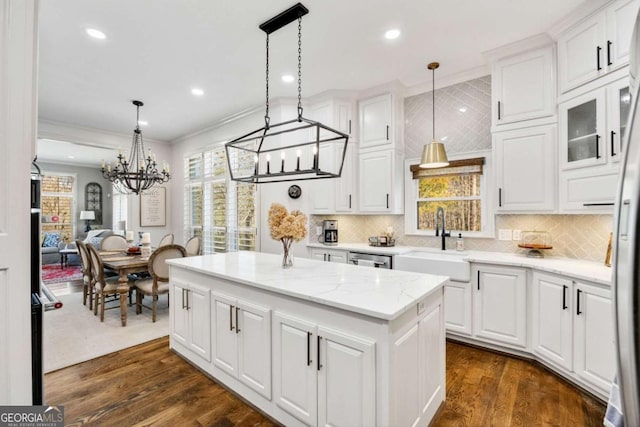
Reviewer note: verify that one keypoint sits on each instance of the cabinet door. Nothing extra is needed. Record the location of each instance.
(375, 181)
(582, 53)
(346, 380)
(524, 87)
(526, 169)
(337, 256)
(199, 306)
(295, 380)
(319, 254)
(375, 122)
(582, 130)
(225, 336)
(345, 185)
(552, 319)
(324, 189)
(343, 113)
(621, 17)
(431, 354)
(501, 305)
(254, 347)
(618, 108)
(586, 190)
(457, 307)
(406, 400)
(180, 315)
(594, 342)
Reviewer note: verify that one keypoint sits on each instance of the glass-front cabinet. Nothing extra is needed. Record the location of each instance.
(582, 130)
(618, 115)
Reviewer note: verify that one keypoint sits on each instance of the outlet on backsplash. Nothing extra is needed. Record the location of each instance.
(517, 235)
(505, 234)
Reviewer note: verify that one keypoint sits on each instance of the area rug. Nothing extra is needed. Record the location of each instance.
(52, 273)
(72, 334)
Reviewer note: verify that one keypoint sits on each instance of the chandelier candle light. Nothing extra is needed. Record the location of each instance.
(286, 227)
(249, 157)
(138, 173)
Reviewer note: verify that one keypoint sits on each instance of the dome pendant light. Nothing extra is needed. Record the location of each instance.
(433, 154)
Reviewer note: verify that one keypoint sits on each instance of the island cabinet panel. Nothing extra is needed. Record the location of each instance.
(190, 318)
(241, 341)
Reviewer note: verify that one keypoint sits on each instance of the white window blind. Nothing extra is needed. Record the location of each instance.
(222, 212)
(119, 206)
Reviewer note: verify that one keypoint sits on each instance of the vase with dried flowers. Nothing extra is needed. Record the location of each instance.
(287, 227)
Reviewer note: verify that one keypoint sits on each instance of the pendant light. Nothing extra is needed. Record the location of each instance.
(433, 154)
(298, 146)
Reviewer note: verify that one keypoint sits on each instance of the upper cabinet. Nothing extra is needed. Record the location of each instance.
(376, 122)
(336, 113)
(596, 46)
(524, 86)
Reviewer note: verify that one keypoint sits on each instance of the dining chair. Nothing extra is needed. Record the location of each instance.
(193, 246)
(114, 242)
(158, 283)
(102, 285)
(167, 239)
(87, 281)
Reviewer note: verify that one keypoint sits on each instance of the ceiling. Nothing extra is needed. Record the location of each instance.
(158, 50)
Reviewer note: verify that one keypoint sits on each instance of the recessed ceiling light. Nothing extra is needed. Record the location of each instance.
(96, 34)
(287, 78)
(71, 157)
(197, 91)
(392, 34)
(462, 109)
(444, 138)
(143, 122)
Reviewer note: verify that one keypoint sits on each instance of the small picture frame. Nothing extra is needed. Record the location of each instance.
(607, 258)
(382, 240)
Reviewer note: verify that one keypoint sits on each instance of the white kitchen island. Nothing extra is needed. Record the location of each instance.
(316, 344)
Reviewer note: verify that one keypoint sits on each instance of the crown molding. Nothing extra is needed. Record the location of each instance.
(450, 80)
(520, 46)
(60, 131)
(586, 9)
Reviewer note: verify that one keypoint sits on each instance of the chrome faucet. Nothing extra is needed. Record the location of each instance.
(440, 220)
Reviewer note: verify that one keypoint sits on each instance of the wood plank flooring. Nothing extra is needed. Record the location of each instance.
(150, 385)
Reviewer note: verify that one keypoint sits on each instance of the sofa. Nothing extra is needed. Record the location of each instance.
(52, 244)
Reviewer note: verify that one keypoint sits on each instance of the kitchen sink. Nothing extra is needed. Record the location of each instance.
(444, 263)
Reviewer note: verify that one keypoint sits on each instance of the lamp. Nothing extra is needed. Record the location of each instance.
(298, 144)
(87, 216)
(433, 154)
(137, 173)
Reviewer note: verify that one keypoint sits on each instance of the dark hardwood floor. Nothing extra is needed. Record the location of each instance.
(150, 385)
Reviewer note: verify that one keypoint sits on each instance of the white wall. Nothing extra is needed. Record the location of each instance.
(96, 137)
(280, 110)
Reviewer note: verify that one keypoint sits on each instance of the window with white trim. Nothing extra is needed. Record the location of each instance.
(220, 211)
(58, 207)
(119, 206)
(459, 189)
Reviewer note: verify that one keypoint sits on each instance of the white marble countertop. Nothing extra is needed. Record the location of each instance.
(580, 269)
(363, 247)
(379, 293)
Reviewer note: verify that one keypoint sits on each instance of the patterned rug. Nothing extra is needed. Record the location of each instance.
(52, 273)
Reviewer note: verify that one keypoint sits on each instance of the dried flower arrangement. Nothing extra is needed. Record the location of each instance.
(287, 227)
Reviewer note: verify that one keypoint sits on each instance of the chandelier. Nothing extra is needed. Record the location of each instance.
(292, 150)
(137, 173)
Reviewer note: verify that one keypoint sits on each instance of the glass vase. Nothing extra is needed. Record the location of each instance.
(287, 256)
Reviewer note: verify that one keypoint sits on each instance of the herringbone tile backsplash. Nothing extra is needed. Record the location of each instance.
(573, 236)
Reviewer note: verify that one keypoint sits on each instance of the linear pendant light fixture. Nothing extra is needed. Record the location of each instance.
(433, 154)
(292, 150)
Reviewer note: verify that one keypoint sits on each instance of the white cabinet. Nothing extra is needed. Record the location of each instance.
(380, 188)
(552, 319)
(457, 307)
(618, 108)
(336, 113)
(597, 45)
(328, 255)
(346, 186)
(524, 86)
(500, 304)
(594, 339)
(420, 344)
(241, 341)
(573, 328)
(190, 320)
(526, 169)
(323, 376)
(376, 122)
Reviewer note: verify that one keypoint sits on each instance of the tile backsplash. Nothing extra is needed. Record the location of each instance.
(572, 236)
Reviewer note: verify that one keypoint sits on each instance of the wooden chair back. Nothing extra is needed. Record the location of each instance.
(167, 239)
(158, 267)
(193, 246)
(97, 269)
(85, 261)
(114, 242)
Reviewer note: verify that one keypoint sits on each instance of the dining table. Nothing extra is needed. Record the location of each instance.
(124, 264)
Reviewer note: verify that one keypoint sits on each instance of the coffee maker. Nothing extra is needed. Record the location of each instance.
(330, 232)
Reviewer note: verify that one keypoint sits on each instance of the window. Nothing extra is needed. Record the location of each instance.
(119, 210)
(57, 205)
(459, 189)
(220, 211)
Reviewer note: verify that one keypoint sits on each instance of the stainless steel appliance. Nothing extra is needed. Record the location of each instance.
(370, 260)
(330, 232)
(626, 264)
